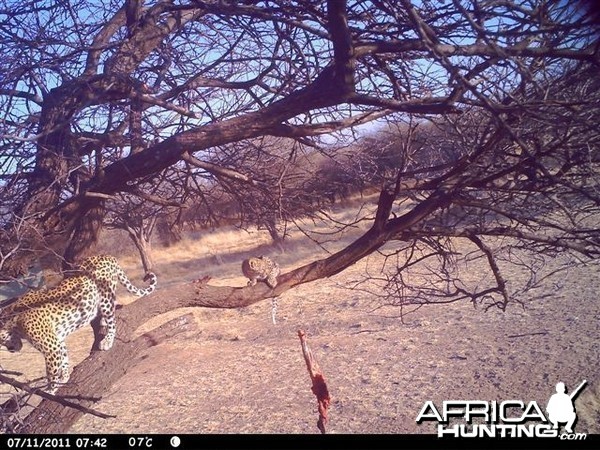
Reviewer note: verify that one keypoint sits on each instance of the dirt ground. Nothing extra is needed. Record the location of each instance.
(240, 373)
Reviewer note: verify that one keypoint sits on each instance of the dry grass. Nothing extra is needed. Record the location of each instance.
(240, 373)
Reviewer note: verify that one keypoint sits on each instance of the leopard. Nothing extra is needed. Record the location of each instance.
(46, 317)
(262, 268)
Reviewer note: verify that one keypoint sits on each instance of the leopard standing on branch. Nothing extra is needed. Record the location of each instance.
(262, 268)
(46, 317)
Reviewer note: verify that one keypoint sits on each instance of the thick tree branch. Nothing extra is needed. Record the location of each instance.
(421, 106)
(343, 49)
(52, 417)
(297, 131)
(148, 35)
(497, 51)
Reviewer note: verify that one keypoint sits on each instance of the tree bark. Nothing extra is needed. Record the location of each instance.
(96, 374)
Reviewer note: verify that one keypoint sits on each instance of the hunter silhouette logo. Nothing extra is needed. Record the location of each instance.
(508, 418)
(561, 408)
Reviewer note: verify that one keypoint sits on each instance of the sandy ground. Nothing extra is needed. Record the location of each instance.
(240, 373)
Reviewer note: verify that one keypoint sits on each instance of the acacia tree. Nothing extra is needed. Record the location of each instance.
(136, 89)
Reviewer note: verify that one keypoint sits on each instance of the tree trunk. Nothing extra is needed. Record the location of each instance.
(140, 231)
(86, 227)
(278, 240)
(143, 245)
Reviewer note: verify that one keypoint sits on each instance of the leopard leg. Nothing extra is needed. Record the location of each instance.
(108, 340)
(107, 318)
(271, 281)
(57, 366)
(49, 341)
(107, 311)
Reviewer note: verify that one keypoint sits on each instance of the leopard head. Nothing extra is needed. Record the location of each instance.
(10, 340)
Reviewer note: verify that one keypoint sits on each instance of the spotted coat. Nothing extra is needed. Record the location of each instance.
(46, 317)
(261, 268)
